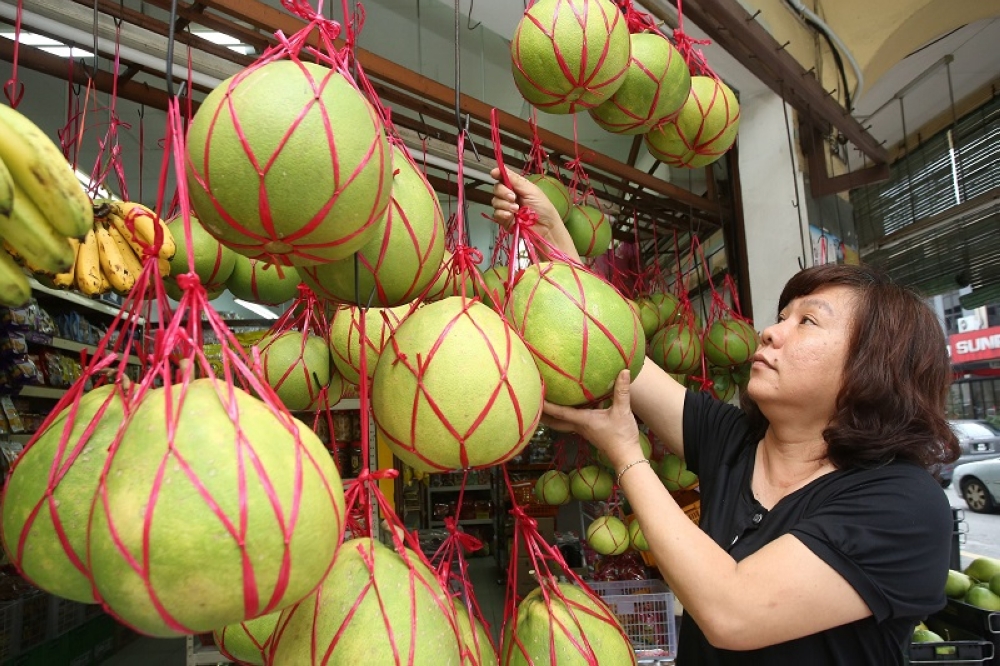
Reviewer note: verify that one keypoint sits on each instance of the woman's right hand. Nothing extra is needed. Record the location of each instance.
(507, 201)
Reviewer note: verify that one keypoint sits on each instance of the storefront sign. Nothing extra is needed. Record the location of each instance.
(973, 346)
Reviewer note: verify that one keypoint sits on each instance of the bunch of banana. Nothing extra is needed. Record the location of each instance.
(42, 206)
(110, 255)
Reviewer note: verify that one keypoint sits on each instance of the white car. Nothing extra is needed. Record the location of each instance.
(979, 484)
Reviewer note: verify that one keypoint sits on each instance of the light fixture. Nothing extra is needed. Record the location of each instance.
(222, 39)
(47, 44)
(256, 308)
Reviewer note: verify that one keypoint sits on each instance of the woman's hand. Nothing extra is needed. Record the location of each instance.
(507, 201)
(613, 430)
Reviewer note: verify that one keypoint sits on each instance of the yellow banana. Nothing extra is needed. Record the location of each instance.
(144, 221)
(6, 189)
(65, 280)
(14, 288)
(28, 232)
(39, 168)
(137, 247)
(112, 263)
(132, 263)
(88, 266)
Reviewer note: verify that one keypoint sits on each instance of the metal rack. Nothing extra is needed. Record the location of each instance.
(202, 655)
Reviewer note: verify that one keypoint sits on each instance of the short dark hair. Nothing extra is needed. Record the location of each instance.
(896, 375)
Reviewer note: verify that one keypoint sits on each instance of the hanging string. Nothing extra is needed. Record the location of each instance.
(13, 90)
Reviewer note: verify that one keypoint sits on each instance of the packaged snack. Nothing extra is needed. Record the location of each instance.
(13, 418)
(13, 343)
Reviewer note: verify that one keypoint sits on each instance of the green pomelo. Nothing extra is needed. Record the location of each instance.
(704, 129)
(572, 628)
(495, 279)
(636, 538)
(224, 525)
(260, 282)
(448, 283)
(32, 542)
(667, 307)
(397, 264)
(926, 636)
(730, 342)
(345, 338)
(580, 330)
(297, 367)
(590, 230)
(567, 56)
(983, 569)
(674, 473)
(608, 535)
(723, 386)
(982, 597)
(552, 488)
(175, 292)
(957, 584)
(649, 316)
(374, 608)
(246, 642)
(591, 483)
(554, 191)
(644, 443)
(455, 388)
(994, 585)
(477, 646)
(676, 348)
(327, 162)
(656, 84)
(213, 261)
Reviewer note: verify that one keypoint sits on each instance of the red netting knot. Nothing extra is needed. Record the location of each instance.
(468, 542)
(303, 9)
(383, 474)
(525, 217)
(466, 257)
(188, 281)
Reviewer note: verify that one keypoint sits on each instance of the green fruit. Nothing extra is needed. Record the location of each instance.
(213, 261)
(567, 56)
(597, 336)
(455, 388)
(656, 85)
(245, 642)
(723, 386)
(297, 367)
(649, 315)
(730, 342)
(667, 307)
(994, 584)
(674, 473)
(958, 584)
(982, 597)
(926, 636)
(398, 262)
(345, 338)
(608, 535)
(258, 282)
(703, 130)
(591, 483)
(554, 191)
(496, 287)
(983, 569)
(31, 538)
(175, 292)
(636, 537)
(590, 230)
(212, 525)
(569, 628)
(477, 646)
(676, 348)
(374, 608)
(326, 160)
(552, 488)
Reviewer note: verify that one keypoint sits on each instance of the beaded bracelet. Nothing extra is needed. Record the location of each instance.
(627, 467)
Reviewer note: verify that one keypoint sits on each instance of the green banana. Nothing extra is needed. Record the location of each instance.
(14, 288)
(33, 238)
(38, 166)
(6, 190)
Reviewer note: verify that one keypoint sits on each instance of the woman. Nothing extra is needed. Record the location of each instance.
(823, 538)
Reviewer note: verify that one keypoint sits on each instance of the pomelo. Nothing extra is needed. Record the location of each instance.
(925, 636)
(591, 483)
(246, 642)
(957, 584)
(374, 608)
(723, 387)
(674, 473)
(580, 330)
(565, 626)
(676, 348)
(245, 522)
(703, 130)
(455, 388)
(729, 342)
(982, 597)
(607, 535)
(649, 316)
(656, 84)
(495, 279)
(213, 261)
(741, 374)
(667, 307)
(345, 338)
(590, 230)
(260, 282)
(636, 538)
(568, 55)
(297, 367)
(552, 488)
(554, 191)
(397, 264)
(175, 292)
(477, 646)
(33, 519)
(448, 283)
(983, 568)
(287, 162)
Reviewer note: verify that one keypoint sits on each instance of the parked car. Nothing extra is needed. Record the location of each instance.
(979, 484)
(979, 439)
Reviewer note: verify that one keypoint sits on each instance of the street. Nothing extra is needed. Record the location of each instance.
(981, 532)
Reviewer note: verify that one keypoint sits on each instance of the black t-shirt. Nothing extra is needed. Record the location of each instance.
(886, 531)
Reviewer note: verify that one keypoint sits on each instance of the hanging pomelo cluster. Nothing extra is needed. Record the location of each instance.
(590, 230)
(259, 282)
(569, 55)
(554, 191)
(298, 367)
(729, 343)
(288, 162)
(213, 261)
(703, 130)
(345, 338)
(453, 280)
(247, 642)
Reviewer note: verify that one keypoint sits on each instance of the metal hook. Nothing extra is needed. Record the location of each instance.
(754, 17)
(475, 151)
(809, 71)
(422, 133)
(784, 46)
(468, 21)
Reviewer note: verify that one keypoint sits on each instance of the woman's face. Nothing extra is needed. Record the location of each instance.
(801, 362)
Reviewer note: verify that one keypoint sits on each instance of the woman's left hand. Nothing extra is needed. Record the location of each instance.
(613, 430)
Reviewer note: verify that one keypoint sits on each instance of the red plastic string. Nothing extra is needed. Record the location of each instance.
(13, 90)
(686, 45)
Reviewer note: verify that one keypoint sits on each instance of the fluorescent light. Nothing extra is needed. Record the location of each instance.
(101, 193)
(222, 39)
(255, 308)
(48, 45)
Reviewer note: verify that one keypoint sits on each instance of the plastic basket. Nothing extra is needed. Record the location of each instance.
(10, 629)
(64, 615)
(523, 494)
(645, 609)
(951, 652)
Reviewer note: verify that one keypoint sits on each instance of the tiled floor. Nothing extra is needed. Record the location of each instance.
(163, 652)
